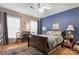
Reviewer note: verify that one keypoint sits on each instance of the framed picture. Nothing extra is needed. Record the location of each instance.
(56, 26)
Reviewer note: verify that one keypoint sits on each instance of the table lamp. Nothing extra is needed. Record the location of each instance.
(44, 30)
(70, 29)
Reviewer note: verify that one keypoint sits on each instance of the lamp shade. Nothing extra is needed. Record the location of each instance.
(70, 27)
(44, 28)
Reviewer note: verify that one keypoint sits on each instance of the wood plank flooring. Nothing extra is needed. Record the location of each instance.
(57, 51)
(13, 45)
(63, 51)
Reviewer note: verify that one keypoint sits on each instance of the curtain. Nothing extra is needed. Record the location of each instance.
(5, 32)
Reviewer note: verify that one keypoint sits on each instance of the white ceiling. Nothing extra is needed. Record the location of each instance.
(25, 9)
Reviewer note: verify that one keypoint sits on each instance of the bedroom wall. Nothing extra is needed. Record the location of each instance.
(25, 19)
(69, 17)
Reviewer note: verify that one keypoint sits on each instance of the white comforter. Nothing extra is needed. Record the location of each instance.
(54, 41)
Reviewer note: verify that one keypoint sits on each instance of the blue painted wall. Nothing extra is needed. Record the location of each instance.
(64, 19)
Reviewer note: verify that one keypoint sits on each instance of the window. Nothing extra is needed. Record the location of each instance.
(34, 26)
(13, 24)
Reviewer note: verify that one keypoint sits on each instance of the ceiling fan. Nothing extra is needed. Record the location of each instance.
(40, 7)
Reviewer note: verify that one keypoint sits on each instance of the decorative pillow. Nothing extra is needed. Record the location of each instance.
(54, 33)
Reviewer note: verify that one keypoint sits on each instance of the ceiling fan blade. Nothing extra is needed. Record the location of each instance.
(46, 8)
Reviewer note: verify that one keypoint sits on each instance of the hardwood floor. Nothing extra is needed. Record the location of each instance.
(57, 51)
(1, 48)
(63, 51)
(13, 45)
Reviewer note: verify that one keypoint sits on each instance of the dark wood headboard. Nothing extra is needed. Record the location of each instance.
(39, 42)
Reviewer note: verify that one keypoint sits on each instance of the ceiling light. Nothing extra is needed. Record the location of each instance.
(40, 7)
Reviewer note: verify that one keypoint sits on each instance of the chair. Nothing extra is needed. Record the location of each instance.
(18, 37)
(25, 36)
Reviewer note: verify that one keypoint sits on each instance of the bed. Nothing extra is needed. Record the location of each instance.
(37, 45)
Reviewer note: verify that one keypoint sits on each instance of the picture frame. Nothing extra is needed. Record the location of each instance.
(56, 26)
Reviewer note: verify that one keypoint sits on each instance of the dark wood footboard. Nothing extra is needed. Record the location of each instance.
(40, 43)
